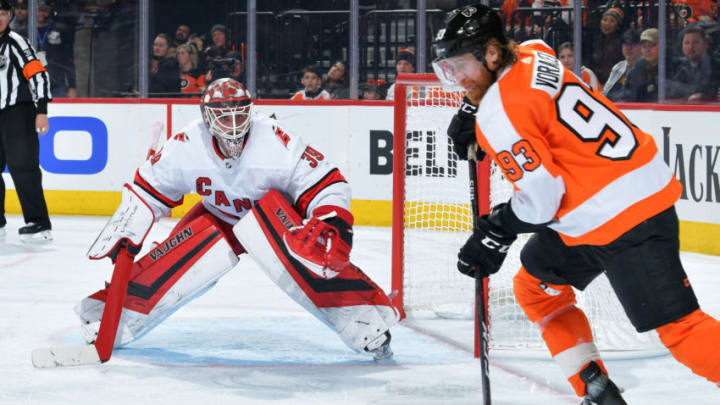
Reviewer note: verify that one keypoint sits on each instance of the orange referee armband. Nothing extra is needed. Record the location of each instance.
(32, 67)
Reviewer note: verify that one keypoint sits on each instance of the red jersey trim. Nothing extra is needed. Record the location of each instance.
(308, 195)
(140, 182)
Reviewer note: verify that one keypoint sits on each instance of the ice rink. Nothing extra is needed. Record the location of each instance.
(245, 342)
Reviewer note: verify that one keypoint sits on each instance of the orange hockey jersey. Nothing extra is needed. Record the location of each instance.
(572, 156)
(696, 10)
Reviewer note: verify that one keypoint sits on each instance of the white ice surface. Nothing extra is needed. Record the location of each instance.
(245, 342)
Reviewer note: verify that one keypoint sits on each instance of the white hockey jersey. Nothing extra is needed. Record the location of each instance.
(190, 162)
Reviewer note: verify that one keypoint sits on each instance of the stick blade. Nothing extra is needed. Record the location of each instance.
(65, 356)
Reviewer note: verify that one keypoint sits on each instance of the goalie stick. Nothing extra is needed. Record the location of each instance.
(155, 140)
(480, 282)
(101, 350)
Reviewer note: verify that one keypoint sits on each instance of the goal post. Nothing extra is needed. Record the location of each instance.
(432, 218)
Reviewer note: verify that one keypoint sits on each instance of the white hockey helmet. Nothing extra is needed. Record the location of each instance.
(226, 109)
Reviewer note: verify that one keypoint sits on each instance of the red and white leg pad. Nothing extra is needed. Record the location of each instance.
(179, 269)
(349, 302)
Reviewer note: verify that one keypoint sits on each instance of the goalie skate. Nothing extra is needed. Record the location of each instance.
(380, 348)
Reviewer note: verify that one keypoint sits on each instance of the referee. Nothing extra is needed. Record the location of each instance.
(24, 94)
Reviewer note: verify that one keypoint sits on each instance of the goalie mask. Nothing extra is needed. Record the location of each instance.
(461, 44)
(226, 109)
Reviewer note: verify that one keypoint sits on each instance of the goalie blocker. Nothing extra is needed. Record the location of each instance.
(201, 249)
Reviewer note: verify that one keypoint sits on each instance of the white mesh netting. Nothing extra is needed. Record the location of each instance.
(438, 220)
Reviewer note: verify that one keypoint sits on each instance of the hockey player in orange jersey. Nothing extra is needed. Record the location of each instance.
(591, 187)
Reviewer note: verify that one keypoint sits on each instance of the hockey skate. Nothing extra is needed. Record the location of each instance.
(600, 389)
(35, 233)
(2, 231)
(380, 348)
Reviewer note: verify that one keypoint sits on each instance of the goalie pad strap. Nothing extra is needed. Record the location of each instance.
(341, 213)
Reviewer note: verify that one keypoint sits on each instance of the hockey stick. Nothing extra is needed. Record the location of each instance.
(101, 350)
(480, 314)
(155, 140)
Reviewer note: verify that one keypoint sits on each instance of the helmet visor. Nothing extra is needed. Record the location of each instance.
(456, 69)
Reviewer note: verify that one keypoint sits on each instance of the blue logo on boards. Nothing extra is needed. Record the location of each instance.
(99, 146)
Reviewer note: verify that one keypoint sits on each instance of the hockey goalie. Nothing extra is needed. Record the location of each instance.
(264, 192)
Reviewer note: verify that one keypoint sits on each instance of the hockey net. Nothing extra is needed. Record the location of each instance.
(432, 219)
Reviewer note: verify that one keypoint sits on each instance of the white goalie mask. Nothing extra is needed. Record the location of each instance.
(226, 109)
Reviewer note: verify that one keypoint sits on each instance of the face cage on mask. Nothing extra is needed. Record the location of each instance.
(230, 137)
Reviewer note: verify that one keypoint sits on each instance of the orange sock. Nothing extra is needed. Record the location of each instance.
(564, 326)
(693, 340)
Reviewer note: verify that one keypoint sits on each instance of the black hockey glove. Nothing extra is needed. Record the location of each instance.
(486, 248)
(462, 130)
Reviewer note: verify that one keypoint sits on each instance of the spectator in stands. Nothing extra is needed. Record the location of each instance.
(336, 81)
(515, 23)
(238, 67)
(404, 63)
(643, 79)
(696, 76)
(615, 88)
(312, 81)
(19, 23)
(222, 64)
(197, 42)
(220, 39)
(566, 54)
(164, 70)
(692, 11)
(182, 34)
(607, 47)
(55, 49)
(372, 91)
(192, 80)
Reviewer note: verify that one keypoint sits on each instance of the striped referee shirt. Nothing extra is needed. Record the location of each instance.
(23, 78)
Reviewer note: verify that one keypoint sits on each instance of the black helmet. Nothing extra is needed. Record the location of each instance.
(467, 30)
(5, 5)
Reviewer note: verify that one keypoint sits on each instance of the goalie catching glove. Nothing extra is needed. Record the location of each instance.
(462, 130)
(323, 243)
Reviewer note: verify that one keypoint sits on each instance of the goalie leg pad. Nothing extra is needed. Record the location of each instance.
(350, 303)
(182, 267)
